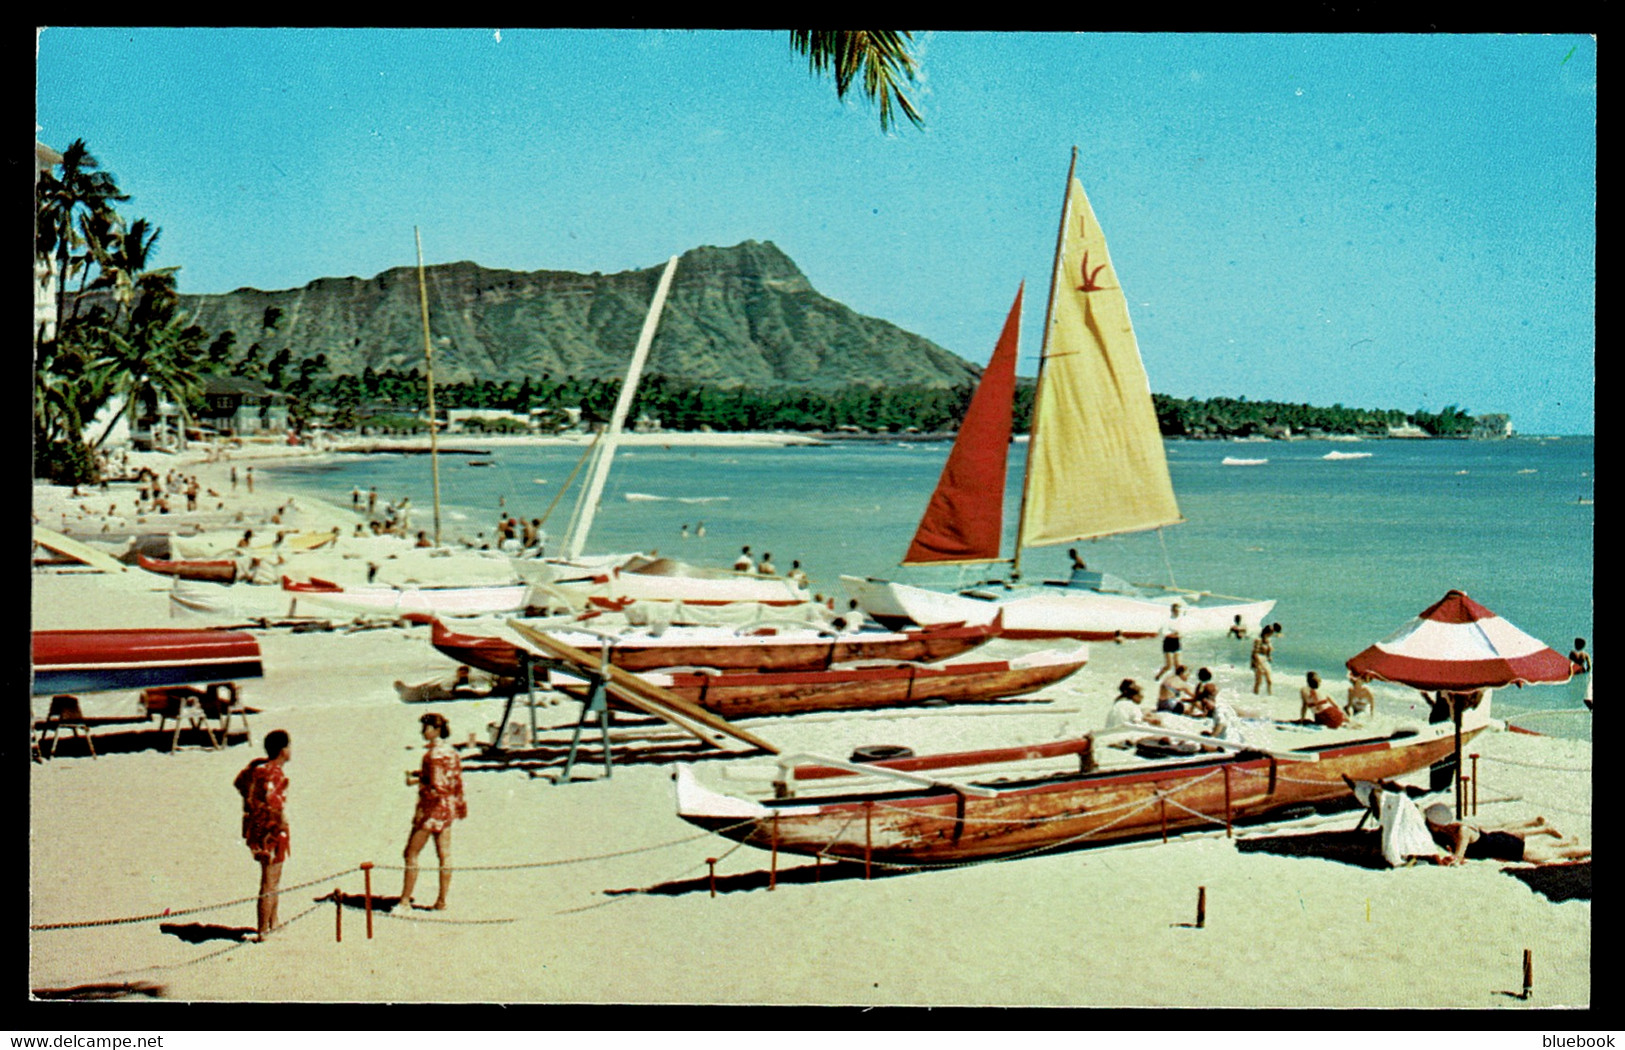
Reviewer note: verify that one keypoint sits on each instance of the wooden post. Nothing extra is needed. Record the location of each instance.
(338, 917)
(773, 870)
(712, 861)
(868, 837)
(1162, 805)
(1227, 825)
(1201, 907)
(1455, 709)
(818, 867)
(366, 871)
(1528, 972)
(1474, 757)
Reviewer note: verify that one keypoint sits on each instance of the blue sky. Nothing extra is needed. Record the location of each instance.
(1395, 221)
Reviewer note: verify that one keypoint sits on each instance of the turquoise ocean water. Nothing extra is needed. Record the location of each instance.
(1351, 549)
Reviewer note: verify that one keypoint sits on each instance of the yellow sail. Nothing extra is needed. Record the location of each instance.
(1096, 466)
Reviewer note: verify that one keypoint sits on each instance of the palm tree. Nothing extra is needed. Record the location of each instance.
(125, 260)
(80, 189)
(156, 356)
(880, 56)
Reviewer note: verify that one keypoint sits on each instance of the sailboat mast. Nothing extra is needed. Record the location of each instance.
(606, 453)
(1049, 316)
(428, 364)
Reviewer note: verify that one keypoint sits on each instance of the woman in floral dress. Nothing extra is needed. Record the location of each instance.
(440, 802)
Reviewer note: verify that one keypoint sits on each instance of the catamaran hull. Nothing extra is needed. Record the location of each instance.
(96, 661)
(724, 649)
(419, 605)
(695, 590)
(749, 695)
(1051, 612)
(938, 825)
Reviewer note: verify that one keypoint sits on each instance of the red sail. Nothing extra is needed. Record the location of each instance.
(964, 522)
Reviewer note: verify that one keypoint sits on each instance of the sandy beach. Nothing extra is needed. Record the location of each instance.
(1294, 918)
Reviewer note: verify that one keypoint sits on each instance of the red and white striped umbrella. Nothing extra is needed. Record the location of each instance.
(1457, 644)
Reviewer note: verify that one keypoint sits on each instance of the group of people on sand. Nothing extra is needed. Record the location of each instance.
(263, 785)
(1177, 696)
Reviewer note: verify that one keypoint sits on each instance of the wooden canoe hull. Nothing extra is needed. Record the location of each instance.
(748, 695)
(751, 653)
(222, 570)
(914, 826)
(93, 661)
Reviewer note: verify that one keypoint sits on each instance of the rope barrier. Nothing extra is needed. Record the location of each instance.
(89, 923)
(566, 860)
(1534, 765)
(445, 922)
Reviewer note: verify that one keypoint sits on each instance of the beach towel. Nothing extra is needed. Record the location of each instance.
(1404, 832)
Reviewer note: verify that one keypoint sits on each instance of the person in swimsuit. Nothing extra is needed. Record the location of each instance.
(1238, 630)
(1170, 642)
(1360, 700)
(1324, 710)
(1580, 665)
(1263, 648)
(440, 802)
(1517, 842)
(264, 788)
(1174, 691)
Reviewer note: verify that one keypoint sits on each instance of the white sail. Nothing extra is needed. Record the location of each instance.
(606, 448)
(1096, 464)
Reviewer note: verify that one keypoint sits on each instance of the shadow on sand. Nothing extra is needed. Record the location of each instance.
(1557, 882)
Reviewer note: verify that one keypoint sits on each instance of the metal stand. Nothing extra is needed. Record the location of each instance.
(597, 704)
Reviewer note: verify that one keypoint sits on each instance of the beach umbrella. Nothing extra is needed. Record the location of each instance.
(1457, 647)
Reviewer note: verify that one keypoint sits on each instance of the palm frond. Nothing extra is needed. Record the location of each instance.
(880, 58)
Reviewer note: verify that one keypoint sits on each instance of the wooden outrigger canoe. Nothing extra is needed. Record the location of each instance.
(978, 805)
(213, 570)
(746, 694)
(414, 604)
(723, 648)
(92, 661)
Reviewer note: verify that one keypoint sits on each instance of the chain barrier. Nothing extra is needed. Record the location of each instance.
(90, 923)
(217, 953)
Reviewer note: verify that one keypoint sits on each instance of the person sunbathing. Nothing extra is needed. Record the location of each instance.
(1515, 841)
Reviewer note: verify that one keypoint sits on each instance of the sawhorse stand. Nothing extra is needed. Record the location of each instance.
(594, 708)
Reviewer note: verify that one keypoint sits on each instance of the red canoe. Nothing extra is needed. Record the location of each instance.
(787, 650)
(747, 694)
(90, 661)
(221, 570)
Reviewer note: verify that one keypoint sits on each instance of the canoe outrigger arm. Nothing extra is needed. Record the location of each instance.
(1152, 731)
(787, 775)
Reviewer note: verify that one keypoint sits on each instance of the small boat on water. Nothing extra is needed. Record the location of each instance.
(722, 647)
(1346, 455)
(862, 686)
(1237, 461)
(140, 658)
(1013, 801)
(1095, 467)
(212, 570)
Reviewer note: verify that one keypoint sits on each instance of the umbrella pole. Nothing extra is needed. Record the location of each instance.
(1455, 709)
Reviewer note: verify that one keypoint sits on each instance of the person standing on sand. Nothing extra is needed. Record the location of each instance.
(440, 802)
(1263, 649)
(1170, 642)
(234, 479)
(264, 788)
(1580, 665)
(372, 501)
(248, 478)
